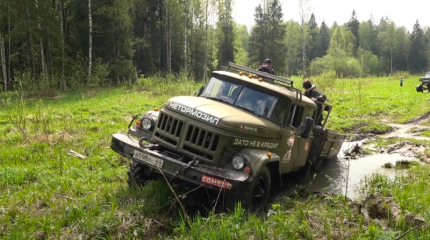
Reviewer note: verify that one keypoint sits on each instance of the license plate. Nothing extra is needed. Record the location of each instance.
(148, 159)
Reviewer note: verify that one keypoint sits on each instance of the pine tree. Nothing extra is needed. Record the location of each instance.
(276, 33)
(353, 26)
(324, 40)
(267, 36)
(257, 41)
(314, 32)
(418, 60)
(226, 36)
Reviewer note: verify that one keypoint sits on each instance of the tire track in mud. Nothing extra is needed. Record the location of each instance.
(418, 120)
(406, 131)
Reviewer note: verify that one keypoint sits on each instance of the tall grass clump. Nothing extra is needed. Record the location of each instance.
(46, 192)
(168, 85)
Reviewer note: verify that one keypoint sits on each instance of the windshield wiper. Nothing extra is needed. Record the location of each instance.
(217, 99)
(247, 109)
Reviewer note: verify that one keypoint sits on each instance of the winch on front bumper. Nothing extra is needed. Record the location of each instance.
(191, 172)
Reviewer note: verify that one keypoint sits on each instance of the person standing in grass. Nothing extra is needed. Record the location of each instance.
(401, 82)
(316, 96)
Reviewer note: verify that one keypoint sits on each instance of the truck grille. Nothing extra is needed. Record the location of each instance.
(201, 142)
(197, 141)
(169, 129)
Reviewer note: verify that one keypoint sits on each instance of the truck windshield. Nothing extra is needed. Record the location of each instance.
(249, 99)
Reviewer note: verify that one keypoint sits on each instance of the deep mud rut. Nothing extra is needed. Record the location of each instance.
(346, 173)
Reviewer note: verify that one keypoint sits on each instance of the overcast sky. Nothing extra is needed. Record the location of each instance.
(403, 13)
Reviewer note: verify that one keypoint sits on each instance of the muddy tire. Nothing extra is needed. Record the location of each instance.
(304, 172)
(258, 193)
(138, 175)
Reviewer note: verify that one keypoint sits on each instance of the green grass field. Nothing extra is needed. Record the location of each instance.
(47, 194)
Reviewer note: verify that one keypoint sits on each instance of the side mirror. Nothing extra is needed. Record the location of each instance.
(306, 128)
(198, 92)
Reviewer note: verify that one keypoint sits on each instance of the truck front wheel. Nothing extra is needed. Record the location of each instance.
(258, 192)
(138, 175)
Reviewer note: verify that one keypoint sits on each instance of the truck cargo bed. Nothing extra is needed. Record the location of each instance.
(331, 142)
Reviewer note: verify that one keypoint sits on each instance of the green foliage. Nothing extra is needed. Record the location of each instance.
(343, 65)
(313, 37)
(150, 36)
(292, 44)
(326, 80)
(354, 26)
(324, 40)
(241, 44)
(402, 74)
(44, 192)
(367, 33)
(402, 189)
(170, 85)
(417, 56)
(376, 128)
(362, 102)
(226, 34)
(267, 36)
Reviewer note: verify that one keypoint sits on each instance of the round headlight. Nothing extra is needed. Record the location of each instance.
(238, 162)
(146, 123)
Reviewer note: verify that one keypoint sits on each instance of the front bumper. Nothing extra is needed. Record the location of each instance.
(139, 132)
(197, 174)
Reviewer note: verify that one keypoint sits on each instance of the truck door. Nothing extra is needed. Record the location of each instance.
(300, 147)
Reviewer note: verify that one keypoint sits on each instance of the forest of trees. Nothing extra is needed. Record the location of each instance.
(63, 44)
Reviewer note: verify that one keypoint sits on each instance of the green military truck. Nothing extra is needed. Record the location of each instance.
(237, 134)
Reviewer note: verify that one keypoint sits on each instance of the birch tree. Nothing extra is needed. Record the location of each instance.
(3, 63)
(42, 54)
(304, 11)
(90, 44)
(186, 32)
(61, 14)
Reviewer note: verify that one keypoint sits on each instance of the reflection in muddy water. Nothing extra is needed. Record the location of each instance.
(333, 175)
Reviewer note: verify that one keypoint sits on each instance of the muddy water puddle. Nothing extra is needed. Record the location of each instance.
(347, 175)
(335, 177)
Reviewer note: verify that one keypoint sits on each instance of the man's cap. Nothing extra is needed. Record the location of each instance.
(267, 60)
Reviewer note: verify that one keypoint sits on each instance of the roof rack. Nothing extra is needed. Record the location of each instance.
(260, 73)
(267, 76)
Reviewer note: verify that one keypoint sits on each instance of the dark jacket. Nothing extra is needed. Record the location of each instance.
(265, 68)
(314, 93)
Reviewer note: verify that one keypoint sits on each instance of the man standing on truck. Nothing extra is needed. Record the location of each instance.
(267, 66)
(316, 96)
